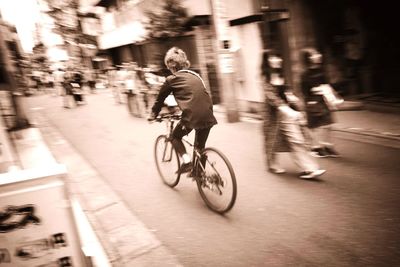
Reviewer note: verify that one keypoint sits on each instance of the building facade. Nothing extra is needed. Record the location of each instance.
(355, 37)
(11, 78)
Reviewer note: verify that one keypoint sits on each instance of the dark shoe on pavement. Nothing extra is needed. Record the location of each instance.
(319, 152)
(311, 174)
(185, 167)
(331, 152)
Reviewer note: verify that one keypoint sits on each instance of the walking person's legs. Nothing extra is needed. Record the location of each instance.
(67, 96)
(300, 153)
(272, 163)
(322, 142)
(326, 141)
(130, 103)
(317, 149)
(116, 93)
(137, 105)
(271, 155)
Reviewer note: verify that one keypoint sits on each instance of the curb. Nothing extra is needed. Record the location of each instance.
(356, 134)
(361, 135)
(124, 238)
(387, 108)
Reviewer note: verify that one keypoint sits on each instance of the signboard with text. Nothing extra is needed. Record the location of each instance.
(37, 227)
(226, 62)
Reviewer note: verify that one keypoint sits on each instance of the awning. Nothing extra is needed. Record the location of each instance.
(128, 34)
(198, 20)
(268, 15)
(88, 15)
(106, 3)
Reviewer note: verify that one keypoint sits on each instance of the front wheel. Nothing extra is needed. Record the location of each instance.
(167, 161)
(216, 181)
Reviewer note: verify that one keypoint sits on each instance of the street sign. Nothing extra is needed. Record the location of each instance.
(226, 62)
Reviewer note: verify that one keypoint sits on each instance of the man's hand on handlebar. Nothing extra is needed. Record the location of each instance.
(152, 117)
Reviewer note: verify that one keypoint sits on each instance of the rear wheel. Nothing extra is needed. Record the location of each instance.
(217, 182)
(167, 161)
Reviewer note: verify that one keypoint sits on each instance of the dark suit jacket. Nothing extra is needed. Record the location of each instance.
(192, 99)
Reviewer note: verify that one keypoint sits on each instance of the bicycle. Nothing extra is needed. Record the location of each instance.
(211, 169)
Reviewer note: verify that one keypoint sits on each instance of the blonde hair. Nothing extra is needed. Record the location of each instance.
(175, 59)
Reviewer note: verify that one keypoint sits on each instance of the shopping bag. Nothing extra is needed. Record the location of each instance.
(331, 97)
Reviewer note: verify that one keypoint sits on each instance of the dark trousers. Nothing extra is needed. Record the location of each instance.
(180, 131)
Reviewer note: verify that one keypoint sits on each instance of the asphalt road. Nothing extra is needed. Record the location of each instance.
(349, 217)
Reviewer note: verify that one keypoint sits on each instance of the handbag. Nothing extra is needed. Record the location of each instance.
(317, 108)
(76, 89)
(331, 97)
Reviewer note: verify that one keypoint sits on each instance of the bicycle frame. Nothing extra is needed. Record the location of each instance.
(170, 123)
(196, 154)
(170, 127)
(197, 162)
(206, 168)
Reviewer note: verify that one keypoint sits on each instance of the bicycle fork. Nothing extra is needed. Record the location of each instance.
(168, 151)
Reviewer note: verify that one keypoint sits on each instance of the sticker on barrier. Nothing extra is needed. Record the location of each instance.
(37, 226)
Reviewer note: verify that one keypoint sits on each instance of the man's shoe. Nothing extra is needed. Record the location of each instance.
(319, 152)
(276, 170)
(185, 167)
(331, 152)
(311, 174)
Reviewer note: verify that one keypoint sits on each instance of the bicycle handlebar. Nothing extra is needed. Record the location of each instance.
(166, 116)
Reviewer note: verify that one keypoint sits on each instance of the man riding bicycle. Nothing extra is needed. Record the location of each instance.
(192, 98)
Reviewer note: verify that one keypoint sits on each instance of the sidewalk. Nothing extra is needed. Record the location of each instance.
(125, 239)
(375, 123)
(369, 126)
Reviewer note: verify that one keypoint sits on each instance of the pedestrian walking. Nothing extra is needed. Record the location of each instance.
(77, 90)
(49, 82)
(119, 88)
(67, 88)
(132, 92)
(143, 90)
(73, 89)
(283, 120)
(37, 77)
(153, 83)
(58, 81)
(316, 91)
(112, 79)
(90, 80)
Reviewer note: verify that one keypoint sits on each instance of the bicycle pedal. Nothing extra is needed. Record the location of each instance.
(184, 168)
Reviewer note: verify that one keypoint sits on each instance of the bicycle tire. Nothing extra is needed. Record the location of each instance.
(166, 167)
(228, 178)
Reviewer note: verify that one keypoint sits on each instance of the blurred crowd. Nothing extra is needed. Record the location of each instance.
(130, 84)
